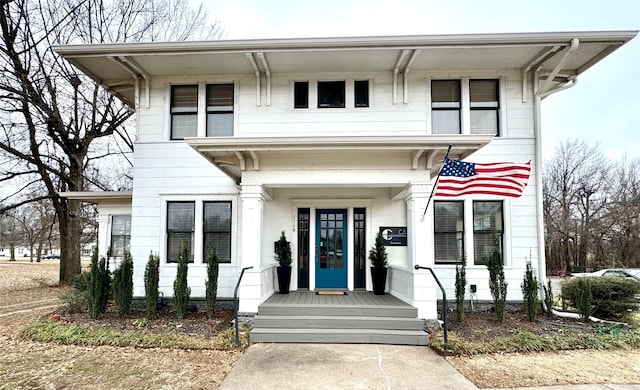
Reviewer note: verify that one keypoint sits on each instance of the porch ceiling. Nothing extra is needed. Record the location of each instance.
(235, 155)
(118, 66)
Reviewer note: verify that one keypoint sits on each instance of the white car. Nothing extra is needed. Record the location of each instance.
(631, 273)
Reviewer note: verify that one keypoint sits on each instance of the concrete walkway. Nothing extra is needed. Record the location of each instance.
(343, 366)
(356, 366)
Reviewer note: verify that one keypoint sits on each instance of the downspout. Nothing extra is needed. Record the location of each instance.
(538, 95)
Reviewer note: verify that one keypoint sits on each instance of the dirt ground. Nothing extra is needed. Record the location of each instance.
(25, 295)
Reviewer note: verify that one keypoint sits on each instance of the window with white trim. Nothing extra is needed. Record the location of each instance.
(331, 94)
(484, 105)
(180, 229)
(120, 235)
(448, 231)
(184, 111)
(216, 229)
(445, 106)
(219, 110)
(487, 224)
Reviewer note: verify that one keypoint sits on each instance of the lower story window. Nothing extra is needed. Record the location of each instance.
(120, 235)
(449, 232)
(487, 227)
(180, 228)
(217, 230)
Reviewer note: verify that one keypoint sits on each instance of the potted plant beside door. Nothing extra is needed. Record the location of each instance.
(378, 258)
(283, 256)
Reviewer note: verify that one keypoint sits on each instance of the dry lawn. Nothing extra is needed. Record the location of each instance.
(25, 294)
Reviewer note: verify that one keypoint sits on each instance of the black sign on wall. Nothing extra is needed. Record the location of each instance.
(394, 235)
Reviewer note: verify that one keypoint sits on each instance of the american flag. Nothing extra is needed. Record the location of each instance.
(464, 178)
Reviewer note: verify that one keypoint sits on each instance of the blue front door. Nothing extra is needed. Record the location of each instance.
(331, 248)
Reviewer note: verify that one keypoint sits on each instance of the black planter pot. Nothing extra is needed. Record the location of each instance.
(379, 278)
(284, 278)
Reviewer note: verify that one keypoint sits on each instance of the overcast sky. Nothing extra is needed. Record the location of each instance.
(603, 107)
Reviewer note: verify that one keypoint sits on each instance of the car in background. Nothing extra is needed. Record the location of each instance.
(51, 256)
(630, 273)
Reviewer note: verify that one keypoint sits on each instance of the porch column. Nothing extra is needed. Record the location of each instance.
(251, 289)
(420, 248)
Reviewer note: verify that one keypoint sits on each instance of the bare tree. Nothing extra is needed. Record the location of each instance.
(51, 118)
(575, 200)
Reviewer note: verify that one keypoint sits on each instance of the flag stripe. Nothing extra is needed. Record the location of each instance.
(464, 178)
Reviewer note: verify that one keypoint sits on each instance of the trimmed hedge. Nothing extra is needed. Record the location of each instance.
(613, 298)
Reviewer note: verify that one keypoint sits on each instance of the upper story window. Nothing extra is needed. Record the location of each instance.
(484, 104)
(361, 93)
(445, 106)
(219, 110)
(184, 111)
(301, 94)
(331, 94)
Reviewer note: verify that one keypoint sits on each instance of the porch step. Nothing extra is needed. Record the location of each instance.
(333, 322)
(340, 336)
(359, 318)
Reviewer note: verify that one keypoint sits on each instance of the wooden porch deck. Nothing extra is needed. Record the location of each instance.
(352, 298)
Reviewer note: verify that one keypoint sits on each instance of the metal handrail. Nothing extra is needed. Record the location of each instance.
(444, 303)
(235, 305)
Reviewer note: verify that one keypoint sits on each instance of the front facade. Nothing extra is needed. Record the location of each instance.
(331, 141)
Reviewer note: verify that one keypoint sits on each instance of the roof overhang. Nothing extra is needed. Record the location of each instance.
(122, 68)
(99, 197)
(236, 155)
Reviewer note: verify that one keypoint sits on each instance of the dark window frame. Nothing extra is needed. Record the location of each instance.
(483, 232)
(300, 94)
(178, 110)
(331, 94)
(361, 93)
(222, 232)
(439, 232)
(173, 232)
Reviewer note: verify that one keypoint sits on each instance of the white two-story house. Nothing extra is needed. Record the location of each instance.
(330, 140)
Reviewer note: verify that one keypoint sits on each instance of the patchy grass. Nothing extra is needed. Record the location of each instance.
(69, 334)
(523, 341)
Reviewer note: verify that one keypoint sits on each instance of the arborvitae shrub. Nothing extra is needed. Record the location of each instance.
(212, 283)
(99, 285)
(461, 284)
(123, 285)
(497, 283)
(529, 288)
(151, 282)
(181, 290)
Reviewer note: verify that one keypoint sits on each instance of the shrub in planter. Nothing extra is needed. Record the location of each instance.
(151, 282)
(612, 298)
(378, 259)
(283, 256)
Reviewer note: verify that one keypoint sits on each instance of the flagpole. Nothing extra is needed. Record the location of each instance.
(433, 189)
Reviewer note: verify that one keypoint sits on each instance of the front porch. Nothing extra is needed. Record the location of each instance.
(358, 317)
